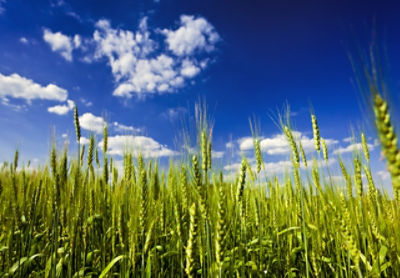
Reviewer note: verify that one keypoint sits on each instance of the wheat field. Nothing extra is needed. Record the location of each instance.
(80, 216)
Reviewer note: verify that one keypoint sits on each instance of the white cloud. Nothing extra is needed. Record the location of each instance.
(278, 144)
(124, 128)
(16, 86)
(141, 66)
(62, 109)
(229, 145)
(352, 148)
(84, 140)
(23, 40)
(384, 175)
(189, 69)
(147, 146)
(194, 34)
(91, 122)
(62, 44)
(217, 154)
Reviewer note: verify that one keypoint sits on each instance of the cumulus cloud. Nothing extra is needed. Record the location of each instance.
(91, 122)
(147, 146)
(16, 86)
(278, 144)
(141, 66)
(352, 148)
(62, 109)
(62, 44)
(194, 34)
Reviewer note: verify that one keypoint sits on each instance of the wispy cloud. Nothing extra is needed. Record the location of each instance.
(125, 128)
(23, 40)
(2, 9)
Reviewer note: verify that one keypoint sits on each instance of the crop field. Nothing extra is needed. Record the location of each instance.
(79, 216)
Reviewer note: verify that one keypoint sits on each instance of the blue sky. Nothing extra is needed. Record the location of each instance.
(142, 65)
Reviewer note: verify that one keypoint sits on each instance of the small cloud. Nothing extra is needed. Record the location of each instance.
(84, 140)
(23, 40)
(194, 34)
(384, 175)
(61, 44)
(229, 145)
(217, 154)
(62, 109)
(91, 122)
(85, 102)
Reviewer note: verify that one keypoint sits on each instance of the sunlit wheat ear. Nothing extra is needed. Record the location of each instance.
(303, 154)
(196, 172)
(143, 203)
(53, 160)
(249, 170)
(258, 154)
(184, 187)
(191, 248)
(105, 159)
(204, 151)
(350, 244)
(324, 150)
(347, 178)
(241, 182)
(96, 156)
(209, 154)
(77, 126)
(365, 147)
(293, 146)
(90, 154)
(317, 139)
(358, 177)
(388, 139)
(221, 227)
(82, 154)
(371, 186)
(16, 155)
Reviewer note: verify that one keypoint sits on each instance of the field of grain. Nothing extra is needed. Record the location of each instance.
(79, 217)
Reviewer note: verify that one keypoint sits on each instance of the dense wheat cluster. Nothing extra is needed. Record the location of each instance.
(80, 217)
